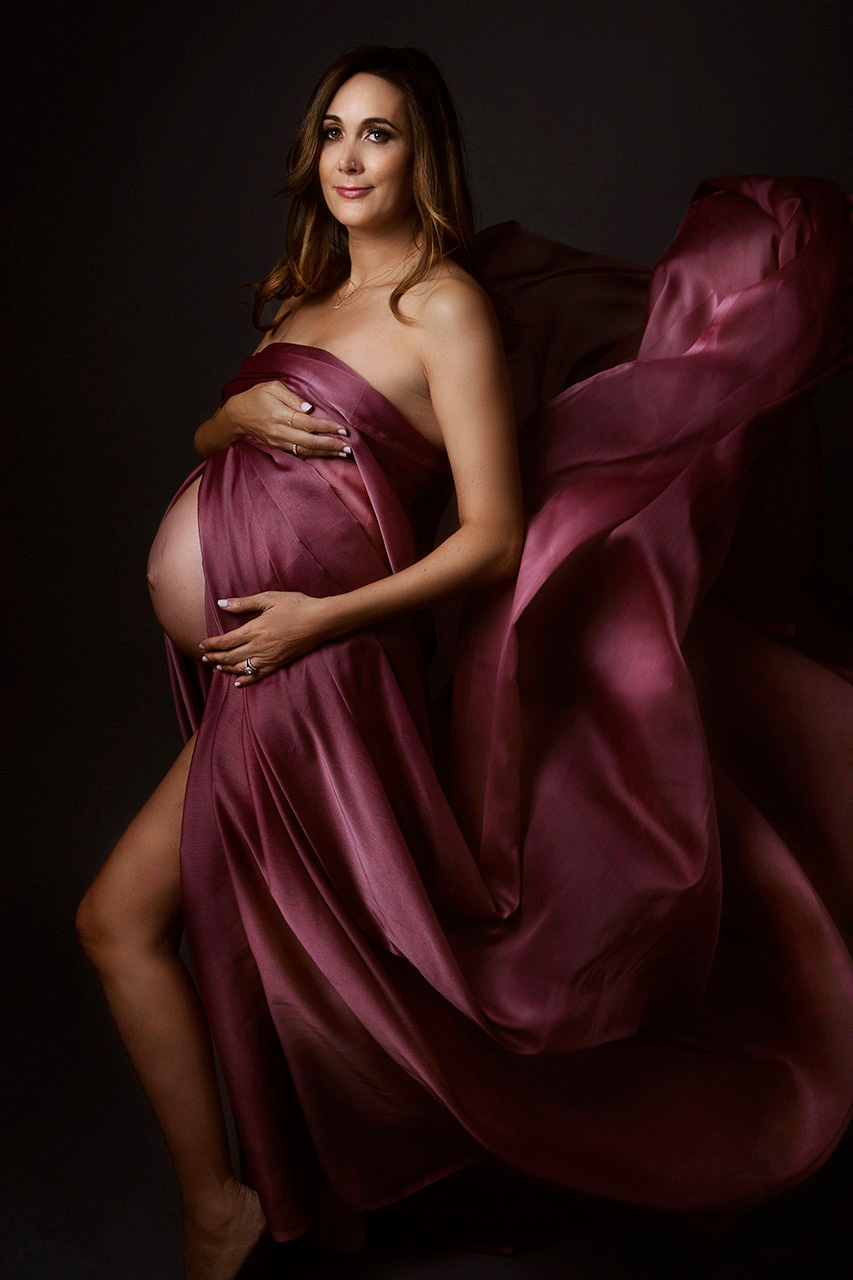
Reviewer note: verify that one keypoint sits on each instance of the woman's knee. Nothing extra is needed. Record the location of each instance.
(134, 902)
(96, 924)
(101, 923)
(112, 927)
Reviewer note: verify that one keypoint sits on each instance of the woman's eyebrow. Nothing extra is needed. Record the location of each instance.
(368, 120)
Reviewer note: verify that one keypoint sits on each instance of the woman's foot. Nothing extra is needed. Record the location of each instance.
(220, 1234)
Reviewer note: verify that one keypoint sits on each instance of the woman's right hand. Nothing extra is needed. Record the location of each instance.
(273, 415)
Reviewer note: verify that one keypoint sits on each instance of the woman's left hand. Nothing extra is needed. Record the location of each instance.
(289, 624)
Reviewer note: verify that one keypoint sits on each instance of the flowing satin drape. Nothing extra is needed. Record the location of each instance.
(592, 933)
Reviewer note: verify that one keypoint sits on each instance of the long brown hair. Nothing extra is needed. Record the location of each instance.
(315, 254)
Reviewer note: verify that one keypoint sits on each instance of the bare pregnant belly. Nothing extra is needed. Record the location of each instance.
(176, 575)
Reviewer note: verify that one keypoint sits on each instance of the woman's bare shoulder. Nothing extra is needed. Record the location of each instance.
(449, 298)
(288, 308)
(279, 325)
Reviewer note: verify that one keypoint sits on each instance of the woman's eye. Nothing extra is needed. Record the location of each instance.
(331, 133)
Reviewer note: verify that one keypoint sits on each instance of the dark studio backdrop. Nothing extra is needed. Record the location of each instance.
(147, 143)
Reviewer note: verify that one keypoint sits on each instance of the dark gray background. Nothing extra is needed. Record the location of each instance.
(147, 142)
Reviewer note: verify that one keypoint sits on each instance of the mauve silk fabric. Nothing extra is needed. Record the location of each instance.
(588, 917)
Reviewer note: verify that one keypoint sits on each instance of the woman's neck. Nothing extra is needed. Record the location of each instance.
(375, 255)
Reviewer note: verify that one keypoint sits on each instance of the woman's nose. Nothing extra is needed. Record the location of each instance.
(349, 164)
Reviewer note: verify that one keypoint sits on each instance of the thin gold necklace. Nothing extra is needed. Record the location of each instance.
(341, 298)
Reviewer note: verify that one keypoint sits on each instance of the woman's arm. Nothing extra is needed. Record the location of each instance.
(274, 415)
(216, 432)
(463, 360)
(469, 387)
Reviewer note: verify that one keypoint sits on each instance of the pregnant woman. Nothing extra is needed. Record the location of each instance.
(420, 943)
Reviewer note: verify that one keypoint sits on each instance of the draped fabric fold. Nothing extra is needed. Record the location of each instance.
(596, 928)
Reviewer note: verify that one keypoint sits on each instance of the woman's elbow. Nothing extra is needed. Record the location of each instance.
(507, 557)
(495, 553)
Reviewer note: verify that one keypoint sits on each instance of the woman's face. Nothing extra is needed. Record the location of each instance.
(367, 151)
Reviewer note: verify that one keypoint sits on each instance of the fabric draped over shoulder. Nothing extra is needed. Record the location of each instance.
(596, 929)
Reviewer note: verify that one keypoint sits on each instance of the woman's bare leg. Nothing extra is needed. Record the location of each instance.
(129, 924)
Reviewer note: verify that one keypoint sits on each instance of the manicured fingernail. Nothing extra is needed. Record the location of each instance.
(223, 604)
(237, 684)
(305, 406)
(201, 646)
(205, 658)
(342, 431)
(218, 666)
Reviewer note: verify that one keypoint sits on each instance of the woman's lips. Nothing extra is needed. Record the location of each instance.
(352, 193)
